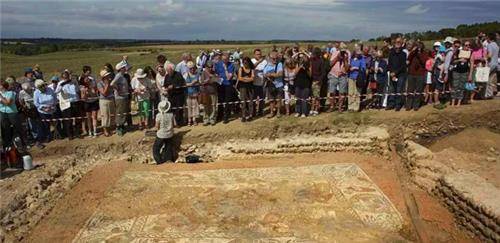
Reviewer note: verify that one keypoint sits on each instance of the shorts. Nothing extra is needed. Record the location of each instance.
(273, 93)
(334, 82)
(91, 106)
(316, 88)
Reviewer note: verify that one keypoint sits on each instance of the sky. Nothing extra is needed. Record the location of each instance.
(234, 19)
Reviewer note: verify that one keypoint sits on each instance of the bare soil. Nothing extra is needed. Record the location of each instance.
(480, 120)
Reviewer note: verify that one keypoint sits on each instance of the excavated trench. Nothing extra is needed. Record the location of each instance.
(390, 164)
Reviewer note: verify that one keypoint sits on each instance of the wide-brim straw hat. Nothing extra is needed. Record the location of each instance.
(104, 73)
(164, 106)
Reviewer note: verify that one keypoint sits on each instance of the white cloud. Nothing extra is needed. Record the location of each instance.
(416, 9)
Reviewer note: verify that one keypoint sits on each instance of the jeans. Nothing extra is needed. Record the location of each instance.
(396, 101)
(45, 127)
(258, 93)
(301, 106)
(162, 150)
(416, 84)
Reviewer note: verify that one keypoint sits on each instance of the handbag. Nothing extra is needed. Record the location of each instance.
(482, 74)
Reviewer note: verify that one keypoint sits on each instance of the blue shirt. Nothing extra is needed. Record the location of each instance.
(357, 62)
(12, 108)
(272, 68)
(191, 78)
(219, 69)
(70, 90)
(46, 99)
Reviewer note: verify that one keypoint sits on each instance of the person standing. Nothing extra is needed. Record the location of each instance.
(106, 101)
(69, 102)
(121, 89)
(90, 97)
(28, 109)
(273, 74)
(302, 86)
(142, 90)
(175, 86)
(193, 90)
(259, 62)
(416, 76)
(246, 76)
(289, 78)
(397, 68)
(225, 70)
(182, 66)
(492, 56)
(461, 69)
(45, 102)
(337, 79)
(9, 113)
(380, 76)
(318, 75)
(209, 81)
(357, 69)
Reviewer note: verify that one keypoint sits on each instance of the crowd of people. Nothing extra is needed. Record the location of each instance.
(220, 85)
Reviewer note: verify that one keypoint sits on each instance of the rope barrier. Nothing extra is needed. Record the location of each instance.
(404, 94)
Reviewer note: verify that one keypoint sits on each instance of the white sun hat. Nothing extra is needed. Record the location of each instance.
(139, 73)
(39, 83)
(164, 106)
(437, 43)
(449, 39)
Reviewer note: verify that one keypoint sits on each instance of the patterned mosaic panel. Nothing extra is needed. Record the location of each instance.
(326, 203)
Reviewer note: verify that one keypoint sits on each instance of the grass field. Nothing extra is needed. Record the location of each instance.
(139, 57)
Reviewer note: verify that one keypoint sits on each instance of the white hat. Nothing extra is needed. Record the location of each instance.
(437, 43)
(122, 64)
(164, 106)
(39, 83)
(190, 64)
(449, 39)
(104, 73)
(139, 73)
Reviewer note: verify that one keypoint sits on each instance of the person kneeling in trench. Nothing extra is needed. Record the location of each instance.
(162, 148)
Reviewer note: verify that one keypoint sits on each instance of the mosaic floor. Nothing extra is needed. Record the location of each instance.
(321, 203)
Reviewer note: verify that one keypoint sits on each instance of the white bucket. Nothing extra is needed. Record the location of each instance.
(27, 162)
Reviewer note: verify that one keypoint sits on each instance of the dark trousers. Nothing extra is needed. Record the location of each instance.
(162, 150)
(416, 84)
(396, 101)
(45, 127)
(379, 96)
(246, 94)
(228, 94)
(7, 121)
(73, 111)
(258, 93)
(177, 103)
(301, 107)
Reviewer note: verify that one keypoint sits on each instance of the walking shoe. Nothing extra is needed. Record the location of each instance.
(297, 115)
(303, 115)
(119, 131)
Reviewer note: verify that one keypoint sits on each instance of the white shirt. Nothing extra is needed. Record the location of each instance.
(259, 72)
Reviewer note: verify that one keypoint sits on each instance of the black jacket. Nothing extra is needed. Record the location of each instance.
(397, 62)
(177, 81)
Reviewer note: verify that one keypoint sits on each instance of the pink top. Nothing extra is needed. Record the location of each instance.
(478, 53)
(337, 69)
(428, 64)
